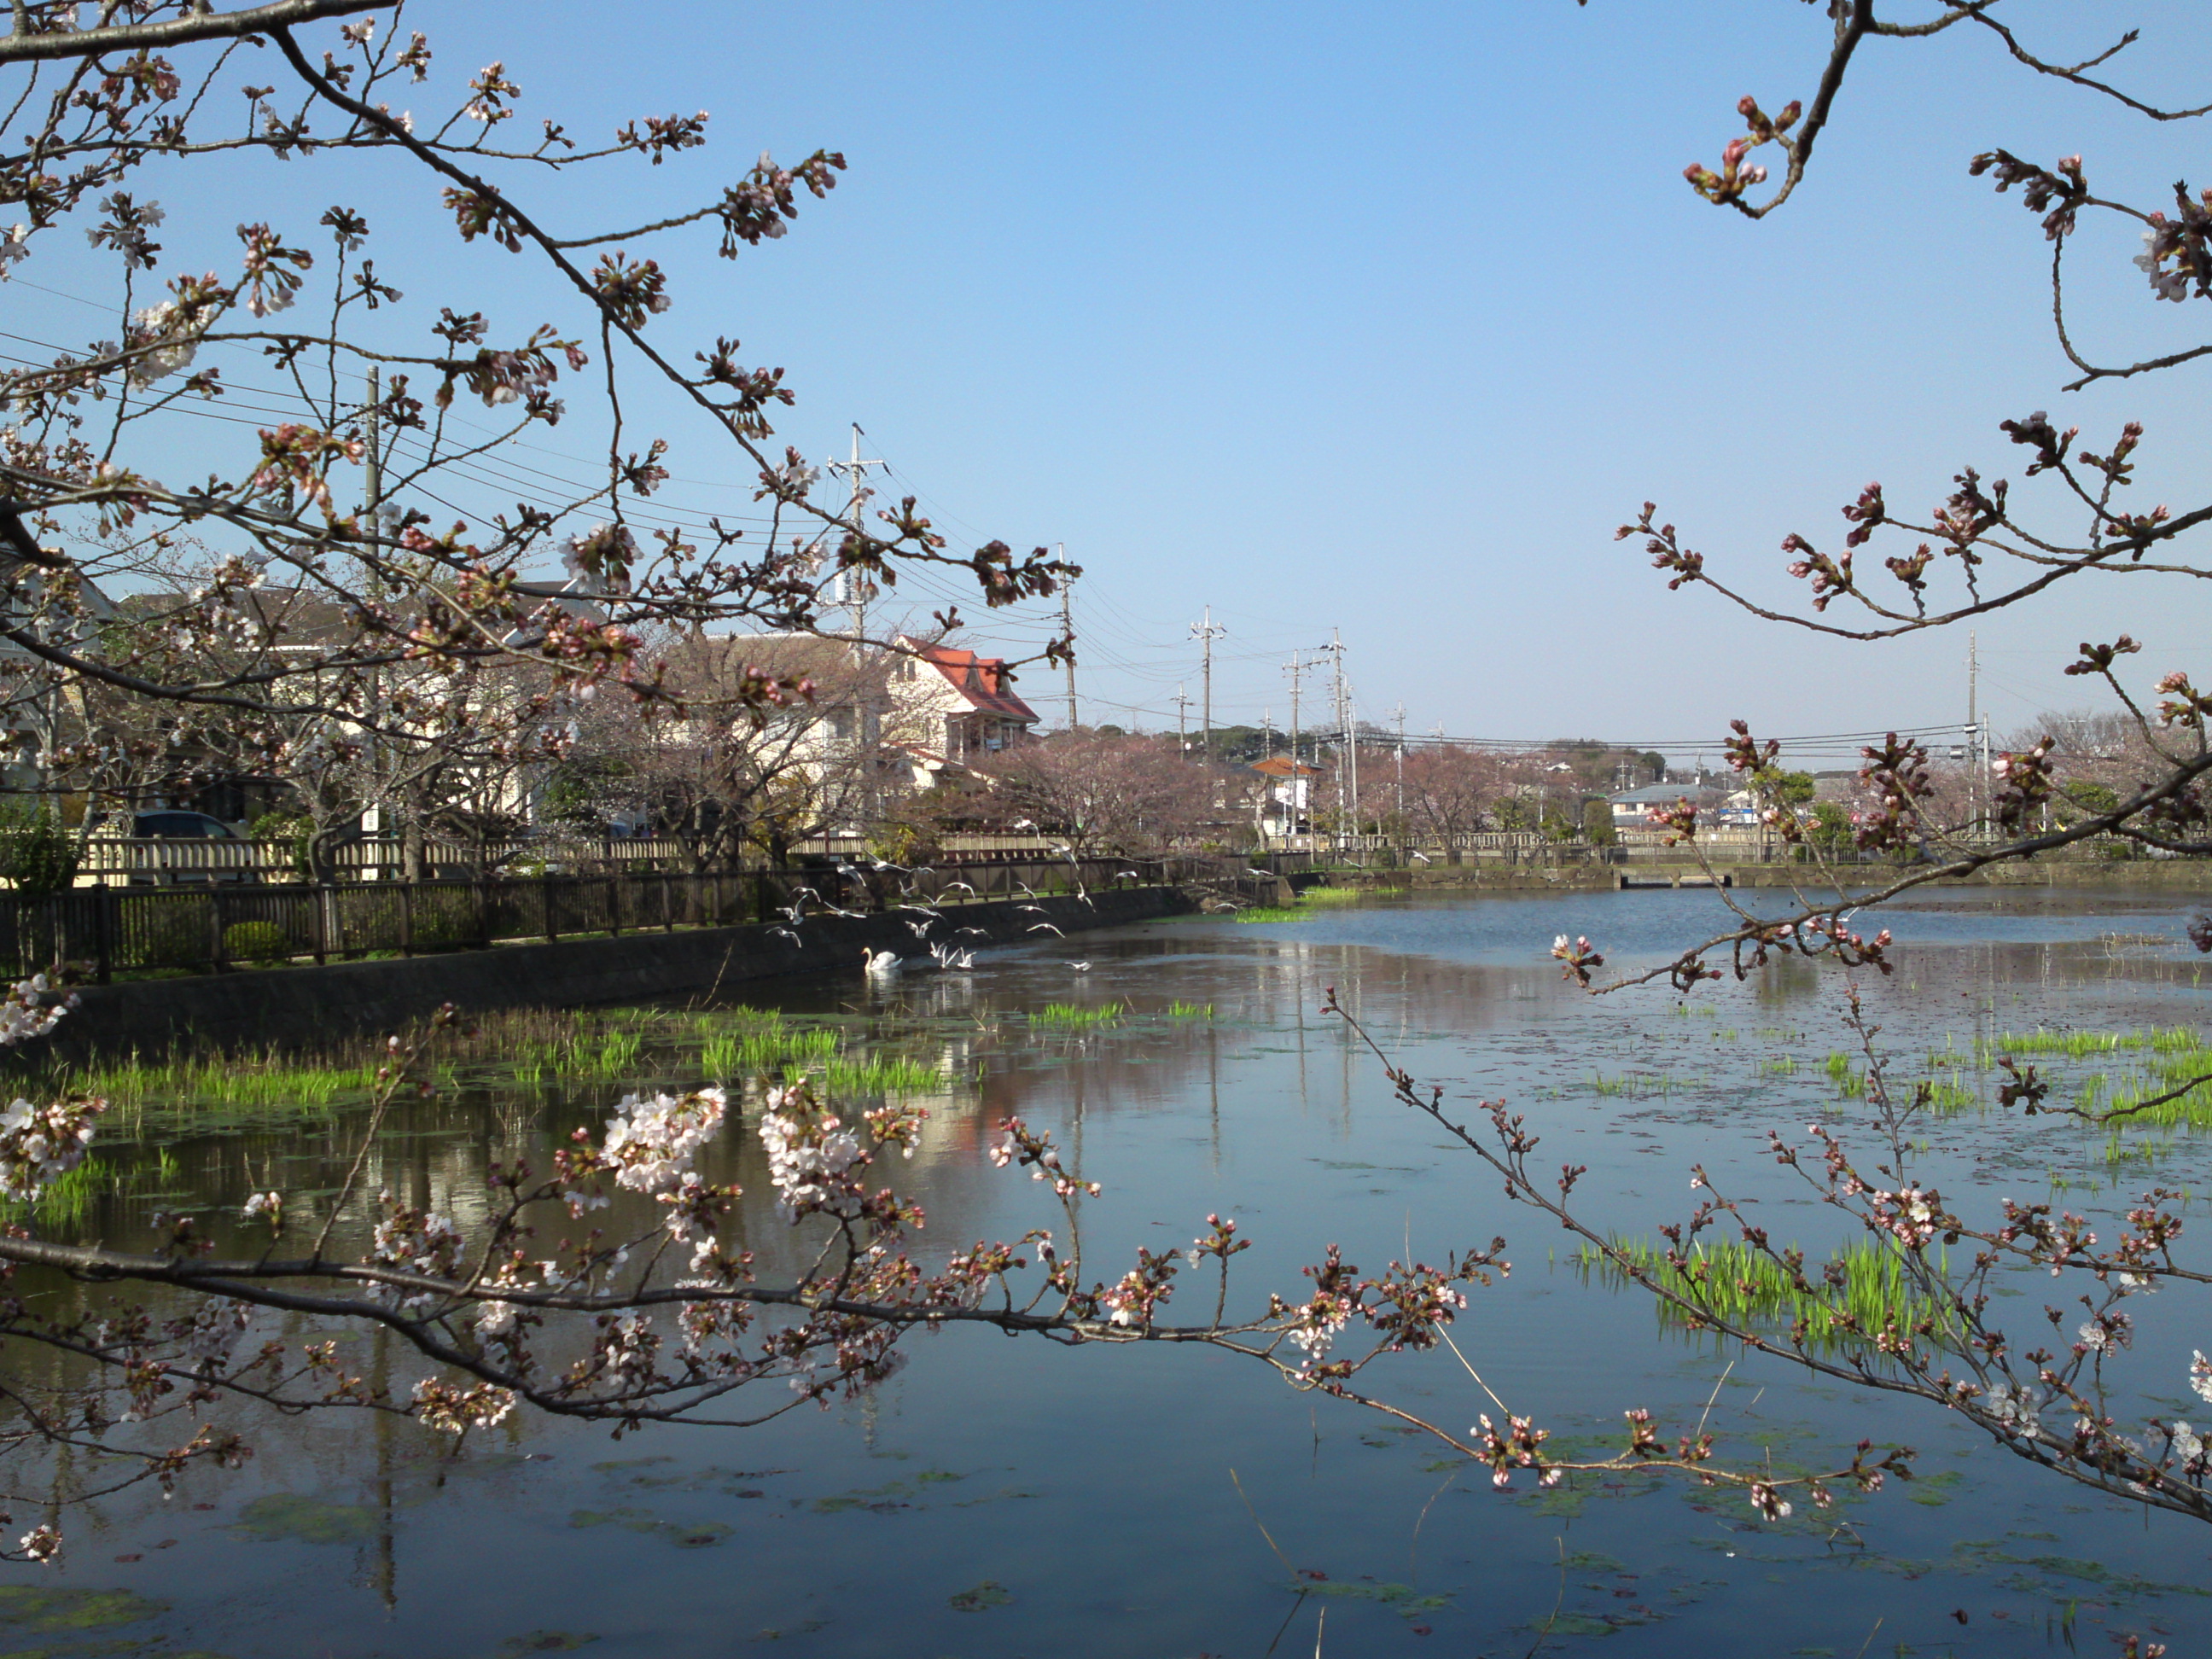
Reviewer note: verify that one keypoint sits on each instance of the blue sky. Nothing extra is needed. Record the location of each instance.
(1380, 319)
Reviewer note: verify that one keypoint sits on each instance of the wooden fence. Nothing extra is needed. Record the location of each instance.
(111, 860)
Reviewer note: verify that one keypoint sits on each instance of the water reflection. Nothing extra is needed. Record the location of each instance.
(1006, 1497)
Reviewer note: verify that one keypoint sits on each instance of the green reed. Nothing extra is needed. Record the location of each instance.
(877, 1074)
(1182, 1010)
(261, 1084)
(1077, 1016)
(1868, 1289)
(1634, 1085)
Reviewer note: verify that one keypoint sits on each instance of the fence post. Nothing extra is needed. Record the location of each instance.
(406, 918)
(103, 930)
(552, 927)
(214, 929)
(667, 905)
(614, 906)
(480, 895)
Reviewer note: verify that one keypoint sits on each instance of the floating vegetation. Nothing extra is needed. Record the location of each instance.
(296, 1518)
(1864, 1283)
(1307, 904)
(1076, 1017)
(41, 1607)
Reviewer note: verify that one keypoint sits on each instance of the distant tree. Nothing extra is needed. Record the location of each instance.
(1449, 790)
(1122, 795)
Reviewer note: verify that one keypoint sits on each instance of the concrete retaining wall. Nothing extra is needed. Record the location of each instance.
(287, 1006)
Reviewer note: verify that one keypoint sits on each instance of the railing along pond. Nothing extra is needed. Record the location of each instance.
(215, 925)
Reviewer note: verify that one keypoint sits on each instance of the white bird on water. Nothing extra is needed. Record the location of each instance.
(1081, 967)
(882, 964)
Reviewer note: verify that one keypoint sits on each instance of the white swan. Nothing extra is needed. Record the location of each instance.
(882, 964)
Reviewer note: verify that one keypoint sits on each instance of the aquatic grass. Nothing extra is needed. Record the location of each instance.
(1735, 1282)
(67, 1203)
(1634, 1085)
(1076, 1017)
(1304, 906)
(878, 1074)
(260, 1084)
(1182, 1010)
(2080, 1044)
(600, 1056)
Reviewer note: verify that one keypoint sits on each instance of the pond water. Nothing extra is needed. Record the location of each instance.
(1004, 1496)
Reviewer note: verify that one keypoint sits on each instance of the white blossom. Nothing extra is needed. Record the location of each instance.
(651, 1141)
(42, 1545)
(39, 1145)
(455, 1411)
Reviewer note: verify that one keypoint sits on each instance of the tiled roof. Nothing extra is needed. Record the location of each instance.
(983, 680)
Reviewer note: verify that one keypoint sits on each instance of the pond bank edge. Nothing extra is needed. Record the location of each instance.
(288, 1007)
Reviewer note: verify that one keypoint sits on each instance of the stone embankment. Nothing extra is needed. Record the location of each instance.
(290, 1006)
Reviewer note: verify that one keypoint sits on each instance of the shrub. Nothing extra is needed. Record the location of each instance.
(170, 934)
(444, 922)
(255, 941)
(37, 853)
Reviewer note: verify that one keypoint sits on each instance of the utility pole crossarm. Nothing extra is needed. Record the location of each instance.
(1205, 633)
(859, 590)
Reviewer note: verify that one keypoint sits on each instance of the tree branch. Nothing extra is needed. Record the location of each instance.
(19, 46)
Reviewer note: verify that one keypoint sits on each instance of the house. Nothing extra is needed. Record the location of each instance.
(1285, 794)
(1631, 807)
(960, 708)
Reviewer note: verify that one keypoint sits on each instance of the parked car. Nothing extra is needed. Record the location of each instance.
(166, 825)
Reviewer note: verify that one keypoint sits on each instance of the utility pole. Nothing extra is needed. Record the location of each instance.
(1183, 722)
(1401, 768)
(1974, 731)
(371, 499)
(1346, 765)
(858, 588)
(1296, 668)
(1205, 632)
(1068, 632)
(373, 461)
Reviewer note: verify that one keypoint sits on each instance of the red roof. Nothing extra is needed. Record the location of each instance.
(983, 680)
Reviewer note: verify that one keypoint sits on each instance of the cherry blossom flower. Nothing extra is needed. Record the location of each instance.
(42, 1545)
(650, 1142)
(456, 1411)
(40, 1144)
